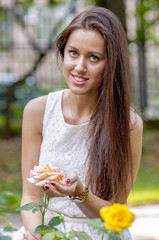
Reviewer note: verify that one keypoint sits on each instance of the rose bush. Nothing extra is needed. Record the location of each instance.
(117, 217)
(40, 175)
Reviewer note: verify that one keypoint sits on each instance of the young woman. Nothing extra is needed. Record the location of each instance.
(89, 130)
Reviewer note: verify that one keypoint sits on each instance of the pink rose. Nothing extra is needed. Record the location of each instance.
(40, 175)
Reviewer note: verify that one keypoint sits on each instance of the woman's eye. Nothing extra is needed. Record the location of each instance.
(94, 58)
(73, 53)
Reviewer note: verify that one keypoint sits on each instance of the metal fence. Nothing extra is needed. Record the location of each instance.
(152, 61)
(26, 35)
(20, 47)
(145, 85)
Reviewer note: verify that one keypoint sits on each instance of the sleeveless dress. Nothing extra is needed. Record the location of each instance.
(65, 146)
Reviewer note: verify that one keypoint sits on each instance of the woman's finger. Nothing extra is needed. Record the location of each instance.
(63, 190)
(56, 189)
(28, 236)
(71, 177)
(38, 236)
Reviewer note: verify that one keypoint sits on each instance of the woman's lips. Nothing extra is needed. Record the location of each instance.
(79, 80)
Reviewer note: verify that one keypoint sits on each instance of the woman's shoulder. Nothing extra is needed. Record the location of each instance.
(36, 105)
(135, 120)
(34, 111)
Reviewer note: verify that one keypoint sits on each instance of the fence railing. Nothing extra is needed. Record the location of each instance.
(19, 49)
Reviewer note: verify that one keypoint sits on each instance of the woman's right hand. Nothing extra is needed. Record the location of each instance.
(73, 186)
(29, 236)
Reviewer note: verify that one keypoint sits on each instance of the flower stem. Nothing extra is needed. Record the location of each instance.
(46, 202)
(102, 235)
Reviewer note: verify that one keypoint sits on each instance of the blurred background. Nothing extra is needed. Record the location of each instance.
(28, 69)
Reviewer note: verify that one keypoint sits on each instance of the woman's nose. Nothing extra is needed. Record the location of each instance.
(80, 65)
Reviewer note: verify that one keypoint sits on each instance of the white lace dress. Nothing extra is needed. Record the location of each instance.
(65, 146)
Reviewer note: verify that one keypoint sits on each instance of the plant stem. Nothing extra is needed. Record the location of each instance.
(46, 202)
(102, 235)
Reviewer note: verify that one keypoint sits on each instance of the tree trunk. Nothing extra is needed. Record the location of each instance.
(117, 7)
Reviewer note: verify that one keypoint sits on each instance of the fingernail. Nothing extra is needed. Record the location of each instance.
(53, 184)
(68, 180)
(46, 187)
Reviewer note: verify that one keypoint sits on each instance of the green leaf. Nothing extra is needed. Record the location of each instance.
(96, 223)
(60, 234)
(9, 228)
(42, 229)
(72, 234)
(7, 199)
(114, 236)
(28, 206)
(41, 204)
(55, 221)
(83, 236)
(35, 209)
(49, 236)
(61, 218)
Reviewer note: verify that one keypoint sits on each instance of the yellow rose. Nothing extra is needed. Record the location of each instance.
(117, 217)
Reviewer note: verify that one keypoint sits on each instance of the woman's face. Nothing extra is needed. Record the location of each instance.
(84, 61)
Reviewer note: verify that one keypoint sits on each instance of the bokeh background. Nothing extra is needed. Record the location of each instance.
(28, 69)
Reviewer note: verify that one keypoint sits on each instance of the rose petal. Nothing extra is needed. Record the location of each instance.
(40, 183)
(31, 180)
(51, 178)
(38, 178)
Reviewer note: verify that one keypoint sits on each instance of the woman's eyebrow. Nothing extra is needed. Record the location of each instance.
(73, 47)
(90, 52)
(98, 53)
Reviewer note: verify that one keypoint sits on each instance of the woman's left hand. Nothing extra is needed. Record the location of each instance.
(73, 186)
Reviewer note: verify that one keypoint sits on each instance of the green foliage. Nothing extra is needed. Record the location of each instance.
(31, 206)
(72, 234)
(25, 4)
(145, 188)
(3, 15)
(55, 221)
(55, 234)
(144, 9)
(2, 121)
(56, 2)
(10, 184)
(49, 236)
(9, 228)
(50, 231)
(5, 31)
(43, 229)
(83, 236)
(97, 223)
(7, 201)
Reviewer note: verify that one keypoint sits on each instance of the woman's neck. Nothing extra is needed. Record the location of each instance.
(77, 109)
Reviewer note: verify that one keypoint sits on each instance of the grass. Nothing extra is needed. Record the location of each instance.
(146, 184)
(145, 187)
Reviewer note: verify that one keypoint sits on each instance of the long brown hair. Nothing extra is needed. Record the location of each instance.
(110, 153)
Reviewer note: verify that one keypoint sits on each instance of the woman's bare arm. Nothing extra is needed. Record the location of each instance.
(31, 143)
